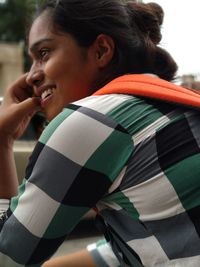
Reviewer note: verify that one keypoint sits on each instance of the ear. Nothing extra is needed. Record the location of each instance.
(104, 50)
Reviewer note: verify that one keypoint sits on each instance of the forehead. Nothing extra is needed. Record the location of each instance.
(40, 29)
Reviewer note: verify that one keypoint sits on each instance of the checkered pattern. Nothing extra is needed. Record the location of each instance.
(70, 170)
(158, 196)
(136, 159)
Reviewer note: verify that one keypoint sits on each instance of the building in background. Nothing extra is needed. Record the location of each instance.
(190, 81)
(11, 64)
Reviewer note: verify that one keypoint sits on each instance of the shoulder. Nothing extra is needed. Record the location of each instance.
(85, 135)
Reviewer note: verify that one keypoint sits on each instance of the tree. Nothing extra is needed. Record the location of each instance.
(15, 16)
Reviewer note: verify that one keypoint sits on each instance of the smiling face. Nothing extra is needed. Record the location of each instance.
(62, 71)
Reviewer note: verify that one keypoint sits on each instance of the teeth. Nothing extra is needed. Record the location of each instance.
(47, 93)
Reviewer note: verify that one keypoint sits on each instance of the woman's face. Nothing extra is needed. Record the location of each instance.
(62, 71)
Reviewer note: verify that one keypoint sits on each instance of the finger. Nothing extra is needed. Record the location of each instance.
(20, 90)
(28, 107)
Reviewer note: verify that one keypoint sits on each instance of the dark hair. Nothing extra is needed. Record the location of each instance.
(134, 27)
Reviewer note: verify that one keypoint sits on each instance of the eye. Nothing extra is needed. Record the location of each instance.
(43, 53)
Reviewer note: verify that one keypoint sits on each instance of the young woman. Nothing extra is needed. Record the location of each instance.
(130, 149)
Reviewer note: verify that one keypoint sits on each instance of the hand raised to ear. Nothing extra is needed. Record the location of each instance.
(18, 107)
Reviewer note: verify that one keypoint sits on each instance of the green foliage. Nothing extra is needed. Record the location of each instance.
(15, 16)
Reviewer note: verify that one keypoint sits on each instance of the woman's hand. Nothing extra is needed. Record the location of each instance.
(18, 107)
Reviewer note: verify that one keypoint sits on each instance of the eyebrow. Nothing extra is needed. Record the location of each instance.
(33, 48)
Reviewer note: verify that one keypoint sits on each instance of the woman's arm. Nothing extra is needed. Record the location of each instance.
(98, 254)
(8, 176)
(70, 170)
(81, 258)
(15, 114)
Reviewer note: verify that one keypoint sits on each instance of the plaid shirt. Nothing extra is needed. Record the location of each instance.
(137, 160)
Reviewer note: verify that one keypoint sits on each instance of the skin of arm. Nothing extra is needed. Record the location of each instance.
(81, 258)
(16, 111)
(8, 176)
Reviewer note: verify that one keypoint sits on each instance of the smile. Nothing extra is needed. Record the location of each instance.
(47, 93)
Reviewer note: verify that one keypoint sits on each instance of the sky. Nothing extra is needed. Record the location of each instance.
(181, 33)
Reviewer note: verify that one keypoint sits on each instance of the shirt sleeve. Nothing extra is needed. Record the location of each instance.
(77, 158)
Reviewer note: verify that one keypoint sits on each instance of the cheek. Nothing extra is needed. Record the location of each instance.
(53, 69)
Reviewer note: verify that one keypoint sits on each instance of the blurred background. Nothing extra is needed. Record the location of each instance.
(180, 38)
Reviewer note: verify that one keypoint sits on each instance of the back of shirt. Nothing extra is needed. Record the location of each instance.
(153, 204)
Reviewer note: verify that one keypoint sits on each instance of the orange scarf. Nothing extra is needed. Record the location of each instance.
(152, 87)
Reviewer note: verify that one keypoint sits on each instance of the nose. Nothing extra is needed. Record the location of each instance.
(35, 77)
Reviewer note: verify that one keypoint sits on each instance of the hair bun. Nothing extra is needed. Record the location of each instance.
(157, 11)
(148, 18)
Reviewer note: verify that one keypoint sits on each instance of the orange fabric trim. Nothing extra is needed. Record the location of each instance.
(151, 87)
